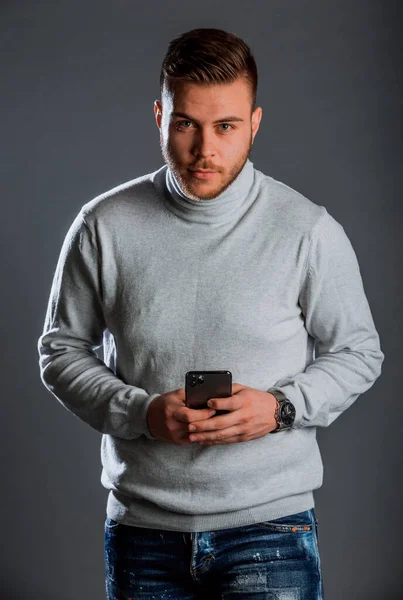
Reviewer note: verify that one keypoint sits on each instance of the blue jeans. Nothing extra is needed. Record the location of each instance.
(276, 560)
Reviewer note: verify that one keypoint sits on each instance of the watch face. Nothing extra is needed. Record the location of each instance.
(287, 413)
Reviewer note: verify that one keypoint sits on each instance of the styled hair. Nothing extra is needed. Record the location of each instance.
(209, 56)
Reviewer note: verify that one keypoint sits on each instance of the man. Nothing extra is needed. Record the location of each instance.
(209, 264)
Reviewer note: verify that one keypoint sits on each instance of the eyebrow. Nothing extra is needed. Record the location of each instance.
(224, 119)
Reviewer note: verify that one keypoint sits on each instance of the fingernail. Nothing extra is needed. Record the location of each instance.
(211, 413)
(209, 403)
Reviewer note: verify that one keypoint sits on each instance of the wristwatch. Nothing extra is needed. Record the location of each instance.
(285, 411)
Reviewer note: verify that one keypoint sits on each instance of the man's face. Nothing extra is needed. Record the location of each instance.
(205, 135)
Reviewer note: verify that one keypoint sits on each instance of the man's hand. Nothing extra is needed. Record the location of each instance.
(251, 416)
(168, 418)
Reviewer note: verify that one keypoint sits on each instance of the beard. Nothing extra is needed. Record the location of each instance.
(193, 188)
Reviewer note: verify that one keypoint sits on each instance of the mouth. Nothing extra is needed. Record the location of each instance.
(202, 174)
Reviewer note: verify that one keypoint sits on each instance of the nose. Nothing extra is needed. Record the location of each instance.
(203, 144)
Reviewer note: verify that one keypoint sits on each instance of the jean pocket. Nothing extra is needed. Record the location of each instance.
(298, 522)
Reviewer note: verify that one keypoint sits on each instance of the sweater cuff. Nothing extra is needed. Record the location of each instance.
(137, 416)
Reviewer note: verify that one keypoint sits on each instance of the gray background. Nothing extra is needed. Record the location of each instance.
(79, 79)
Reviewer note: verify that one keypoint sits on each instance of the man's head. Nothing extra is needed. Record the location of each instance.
(207, 116)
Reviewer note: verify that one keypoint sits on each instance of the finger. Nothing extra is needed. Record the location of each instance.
(217, 435)
(237, 387)
(188, 415)
(230, 403)
(200, 414)
(221, 422)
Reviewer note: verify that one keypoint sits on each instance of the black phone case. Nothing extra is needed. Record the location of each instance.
(200, 386)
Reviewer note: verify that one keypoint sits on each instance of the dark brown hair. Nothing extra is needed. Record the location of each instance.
(209, 56)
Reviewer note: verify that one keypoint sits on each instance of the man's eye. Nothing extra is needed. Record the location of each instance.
(180, 123)
(228, 126)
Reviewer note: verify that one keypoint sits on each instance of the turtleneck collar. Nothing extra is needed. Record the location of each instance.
(223, 208)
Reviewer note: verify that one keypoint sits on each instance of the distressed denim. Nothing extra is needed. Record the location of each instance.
(276, 560)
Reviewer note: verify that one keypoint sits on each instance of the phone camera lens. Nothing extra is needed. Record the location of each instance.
(200, 379)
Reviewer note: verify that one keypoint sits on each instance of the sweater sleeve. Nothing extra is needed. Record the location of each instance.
(348, 357)
(74, 326)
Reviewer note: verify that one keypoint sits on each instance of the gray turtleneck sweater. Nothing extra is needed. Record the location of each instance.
(260, 281)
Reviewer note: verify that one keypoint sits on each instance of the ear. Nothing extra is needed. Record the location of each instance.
(256, 118)
(158, 113)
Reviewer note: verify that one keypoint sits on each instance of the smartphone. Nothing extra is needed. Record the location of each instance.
(200, 386)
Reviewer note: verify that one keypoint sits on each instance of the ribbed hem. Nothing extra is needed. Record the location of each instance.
(130, 511)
